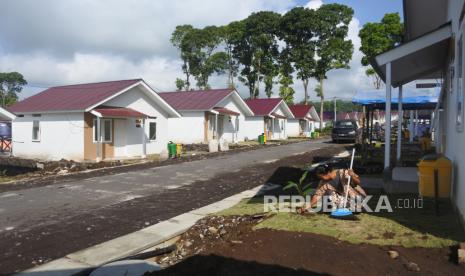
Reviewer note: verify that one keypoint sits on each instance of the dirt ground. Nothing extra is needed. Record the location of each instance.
(229, 246)
(26, 178)
(45, 243)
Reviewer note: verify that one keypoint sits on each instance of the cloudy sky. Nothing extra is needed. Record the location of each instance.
(58, 42)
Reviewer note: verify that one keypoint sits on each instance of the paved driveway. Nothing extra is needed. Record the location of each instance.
(24, 214)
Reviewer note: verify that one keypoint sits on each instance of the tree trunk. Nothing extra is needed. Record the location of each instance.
(322, 97)
(305, 83)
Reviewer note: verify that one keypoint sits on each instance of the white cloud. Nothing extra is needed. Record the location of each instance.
(314, 4)
(63, 42)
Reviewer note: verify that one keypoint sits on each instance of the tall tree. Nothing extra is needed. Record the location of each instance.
(297, 30)
(286, 92)
(377, 38)
(230, 34)
(198, 52)
(10, 85)
(178, 39)
(334, 51)
(257, 50)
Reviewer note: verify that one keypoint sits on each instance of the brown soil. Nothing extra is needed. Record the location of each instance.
(28, 248)
(229, 246)
(27, 177)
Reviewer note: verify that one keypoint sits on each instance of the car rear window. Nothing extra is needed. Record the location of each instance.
(344, 124)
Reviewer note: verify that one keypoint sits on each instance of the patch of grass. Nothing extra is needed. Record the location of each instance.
(403, 227)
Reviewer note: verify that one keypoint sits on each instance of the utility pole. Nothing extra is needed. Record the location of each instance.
(335, 110)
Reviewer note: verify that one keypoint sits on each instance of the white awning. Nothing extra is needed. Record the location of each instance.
(423, 57)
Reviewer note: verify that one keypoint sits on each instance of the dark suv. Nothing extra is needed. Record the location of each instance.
(345, 130)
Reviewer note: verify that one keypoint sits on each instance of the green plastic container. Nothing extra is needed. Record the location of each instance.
(261, 139)
(171, 149)
(313, 135)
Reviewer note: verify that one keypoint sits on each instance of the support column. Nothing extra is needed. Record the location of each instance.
(399, 125)
(410, 127)
(387, 120)
(144, 140)
(216, 127)
(416, 123)
(272, 128)
(98, 144)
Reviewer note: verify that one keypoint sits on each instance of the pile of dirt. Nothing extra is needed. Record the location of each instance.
(229, 246)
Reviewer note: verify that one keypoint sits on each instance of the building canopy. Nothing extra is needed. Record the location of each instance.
(413, 98)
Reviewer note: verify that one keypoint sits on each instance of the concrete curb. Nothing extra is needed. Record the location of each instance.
(135, 242)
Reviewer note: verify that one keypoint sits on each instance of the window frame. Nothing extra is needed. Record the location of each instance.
(36, 139)
(150, 136)
(102, 130)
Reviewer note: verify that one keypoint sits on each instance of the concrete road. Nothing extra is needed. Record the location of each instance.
(41, 210)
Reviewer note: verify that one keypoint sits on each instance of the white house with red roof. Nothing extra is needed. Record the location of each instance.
(94, 121)
(270, 117)
(207, 114)
(303, 123)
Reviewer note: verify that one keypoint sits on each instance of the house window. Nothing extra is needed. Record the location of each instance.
(153, 131)
(105, 130)
(35, 130)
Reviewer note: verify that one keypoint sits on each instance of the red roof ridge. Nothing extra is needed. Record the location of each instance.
(197, 91)
(93, 83)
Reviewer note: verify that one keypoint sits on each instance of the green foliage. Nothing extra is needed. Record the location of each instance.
(256, 48)
(302, 189)
(297, 30)
(180, 84)
(198, 52)
(377, 38)
(286, 92)
(10, 85)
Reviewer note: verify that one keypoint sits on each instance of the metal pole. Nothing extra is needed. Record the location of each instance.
(399, 125)
(335, 112)
(216, 126)
(416, 122)
(387, 120)
(411, 127)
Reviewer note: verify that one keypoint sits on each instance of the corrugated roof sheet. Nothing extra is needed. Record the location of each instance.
(119, 112)
(71, 97)
(196, 99)
(262, 107)
(300, 111)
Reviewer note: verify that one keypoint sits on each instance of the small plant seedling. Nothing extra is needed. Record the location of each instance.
(301, 189)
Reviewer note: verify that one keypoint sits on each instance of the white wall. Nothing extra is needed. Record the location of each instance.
(293, 128)
(188, 129)
(252, 127)
(136, 99)
(237, 122)
(454, 139)
(61, 136)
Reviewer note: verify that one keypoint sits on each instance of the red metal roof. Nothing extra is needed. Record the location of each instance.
(263, 107)
(71, 97)
(196, 99)
(119, 112)
(224, 110)
(279, 116)
(300, 111)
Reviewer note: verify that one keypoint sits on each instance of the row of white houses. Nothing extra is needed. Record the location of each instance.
(127, 118)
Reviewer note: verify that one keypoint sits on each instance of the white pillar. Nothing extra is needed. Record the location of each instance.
(144, 140)
(216, 127)
(335, 112)
(399, 124)
(99, 141)
(387, 119)
(410, 127)
(272, 128)
(416, 123)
